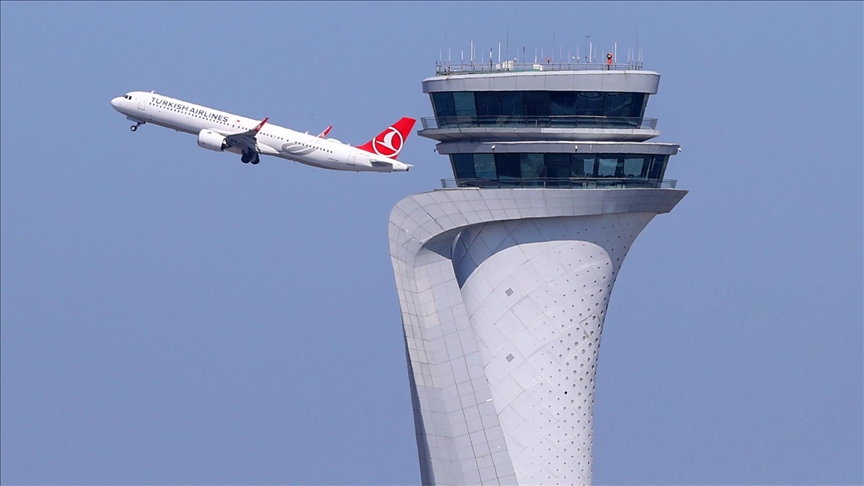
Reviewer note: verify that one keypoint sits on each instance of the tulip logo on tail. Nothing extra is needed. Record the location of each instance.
(389, 142)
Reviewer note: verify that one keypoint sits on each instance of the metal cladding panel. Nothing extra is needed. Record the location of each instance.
(473, 416)
(536, 296)
(608, 81)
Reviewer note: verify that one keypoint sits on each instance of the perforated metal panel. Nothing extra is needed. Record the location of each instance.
(536, 295)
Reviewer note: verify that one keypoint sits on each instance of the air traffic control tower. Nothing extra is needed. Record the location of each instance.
(504, 274)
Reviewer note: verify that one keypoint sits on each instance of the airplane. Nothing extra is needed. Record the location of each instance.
(221, 131)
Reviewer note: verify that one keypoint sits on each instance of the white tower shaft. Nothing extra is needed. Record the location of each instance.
(503, 295)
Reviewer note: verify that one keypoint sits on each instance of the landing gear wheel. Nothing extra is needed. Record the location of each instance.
(255, 160)
(133, 127)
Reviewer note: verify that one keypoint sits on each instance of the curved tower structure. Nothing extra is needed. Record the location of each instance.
(504, 274)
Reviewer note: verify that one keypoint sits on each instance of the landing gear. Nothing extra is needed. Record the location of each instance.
(135, 126)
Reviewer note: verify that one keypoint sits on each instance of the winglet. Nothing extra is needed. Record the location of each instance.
(325, 132)
(261, 125)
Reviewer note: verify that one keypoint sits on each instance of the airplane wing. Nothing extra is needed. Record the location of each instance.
(245, 141)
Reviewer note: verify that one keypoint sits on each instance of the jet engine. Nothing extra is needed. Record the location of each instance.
(211, 140)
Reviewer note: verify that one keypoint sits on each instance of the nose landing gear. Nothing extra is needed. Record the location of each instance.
(135, 126)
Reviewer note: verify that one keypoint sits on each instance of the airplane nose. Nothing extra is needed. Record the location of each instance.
(116, 103)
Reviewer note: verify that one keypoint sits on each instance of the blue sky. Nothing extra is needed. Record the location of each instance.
(169, 315)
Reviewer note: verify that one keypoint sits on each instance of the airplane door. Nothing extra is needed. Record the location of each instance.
(142, 102)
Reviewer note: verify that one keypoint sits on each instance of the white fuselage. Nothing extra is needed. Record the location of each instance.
(272, 139)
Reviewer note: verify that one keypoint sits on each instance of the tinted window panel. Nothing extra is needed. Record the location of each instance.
(658, 167)
(616, 104)
(508, 166)
(512, 103)
(490, 106)
(562, 103)
(589, 104)
(464, 103)
(463, 166)
(532, 166)
(636, 165)
(637, 106)
(619, 167)
(443, 103)
(557, 165)
(537, 103)
(583, 166)
(606, 166)
(487, 104)
(484, 166)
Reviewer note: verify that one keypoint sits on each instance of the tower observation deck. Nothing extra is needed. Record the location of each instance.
(504, 274)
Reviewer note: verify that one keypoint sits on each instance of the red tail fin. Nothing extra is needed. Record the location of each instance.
(389, 142)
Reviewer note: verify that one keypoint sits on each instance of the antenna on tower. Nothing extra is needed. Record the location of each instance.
(440, 51)
(508, 44)
(588, 47)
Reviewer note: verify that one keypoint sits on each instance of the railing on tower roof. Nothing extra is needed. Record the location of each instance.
(448, 68)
